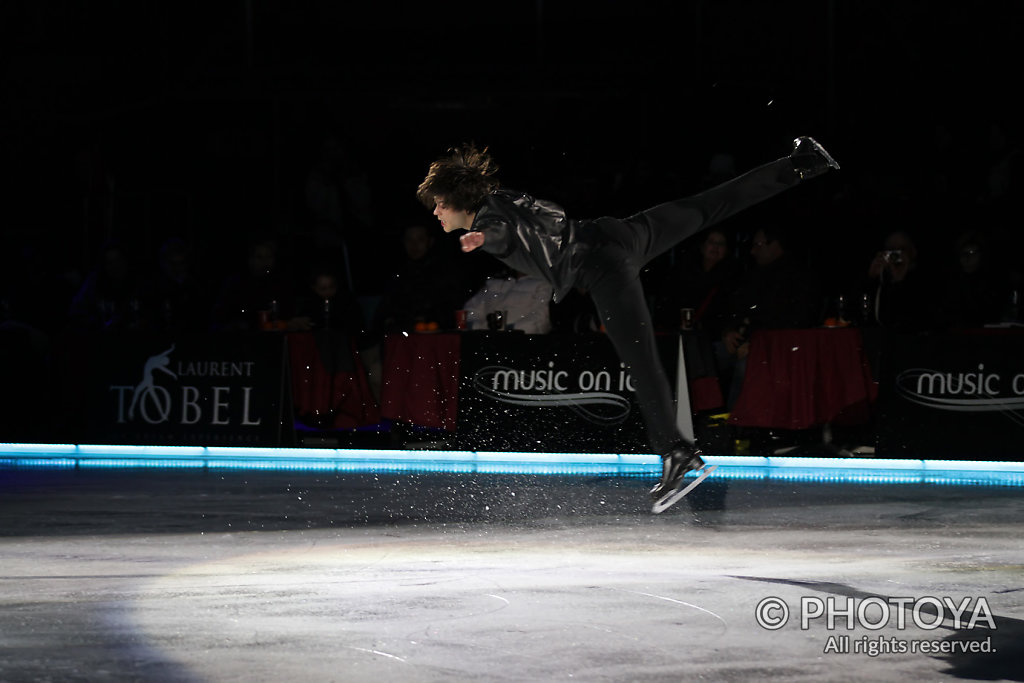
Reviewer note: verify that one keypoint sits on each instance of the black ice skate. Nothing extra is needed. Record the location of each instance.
(810, 159)
(675, 465)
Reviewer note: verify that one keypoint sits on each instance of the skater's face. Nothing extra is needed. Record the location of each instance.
(452, 219)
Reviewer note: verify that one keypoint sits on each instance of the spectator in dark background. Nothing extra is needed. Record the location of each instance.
(702, 280)
(174, 298)
(900, 292)
(778, 292)
(261, 295)
(327, 304)
(976, 293)
(425, 288)
(1004, 166)
(329, 371)
(110, 297)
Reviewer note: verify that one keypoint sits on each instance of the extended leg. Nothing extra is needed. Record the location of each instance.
(660, 228)
(612, 276)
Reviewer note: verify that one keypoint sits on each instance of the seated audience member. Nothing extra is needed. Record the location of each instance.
(703, 280)
(109, 299)
(425, 288)
(976, 293)
(175, 300)
(327, 305)
(900, 293)
(332, 381)
(524, 299)
(778, 292)
(260, 290)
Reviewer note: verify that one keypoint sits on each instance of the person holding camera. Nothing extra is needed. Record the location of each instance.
(899, 294)
(895, 261)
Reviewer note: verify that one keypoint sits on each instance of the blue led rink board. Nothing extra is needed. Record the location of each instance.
(780, 468)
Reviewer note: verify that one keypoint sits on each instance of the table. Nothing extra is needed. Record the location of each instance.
(330, 389)
(803, 378)
(420, 382)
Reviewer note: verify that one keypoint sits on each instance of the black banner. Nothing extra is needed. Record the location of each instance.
(203, 390)
(554, 393)
(956, 396)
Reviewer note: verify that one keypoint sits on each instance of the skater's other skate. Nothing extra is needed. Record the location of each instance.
(810, 159)
(674, 466)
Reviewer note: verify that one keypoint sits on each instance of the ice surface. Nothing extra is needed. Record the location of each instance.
(189, 576)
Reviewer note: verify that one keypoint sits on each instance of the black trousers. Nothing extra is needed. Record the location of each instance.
(611, 273)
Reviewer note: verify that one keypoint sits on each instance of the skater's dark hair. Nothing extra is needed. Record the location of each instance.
(463, 179)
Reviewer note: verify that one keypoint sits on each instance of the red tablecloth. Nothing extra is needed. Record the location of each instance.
(343, 401)
(797, 379)
(420, 383)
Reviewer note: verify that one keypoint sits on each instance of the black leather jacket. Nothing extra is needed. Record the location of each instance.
(532, 236)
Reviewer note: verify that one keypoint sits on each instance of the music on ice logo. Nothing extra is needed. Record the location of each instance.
(207, 392)
(589, 394)
(976, 390)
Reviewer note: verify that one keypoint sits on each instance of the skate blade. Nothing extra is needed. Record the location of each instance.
(828, 157)
(667, 501)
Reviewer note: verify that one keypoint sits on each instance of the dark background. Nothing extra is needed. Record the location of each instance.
(144, 120)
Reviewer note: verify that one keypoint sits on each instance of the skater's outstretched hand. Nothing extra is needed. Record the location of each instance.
(471, 241)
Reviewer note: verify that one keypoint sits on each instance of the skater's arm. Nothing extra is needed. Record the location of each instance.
(472, 240)
(493, 234)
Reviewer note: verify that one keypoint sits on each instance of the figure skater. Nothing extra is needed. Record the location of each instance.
(605, 256)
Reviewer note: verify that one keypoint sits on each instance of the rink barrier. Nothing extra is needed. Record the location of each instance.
(775, 468)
